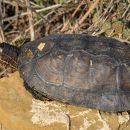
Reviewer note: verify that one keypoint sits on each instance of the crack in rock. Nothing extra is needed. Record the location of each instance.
(45, 115)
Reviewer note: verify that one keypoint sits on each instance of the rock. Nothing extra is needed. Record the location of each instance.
(20, 111)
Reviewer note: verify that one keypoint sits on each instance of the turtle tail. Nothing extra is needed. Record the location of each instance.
(9, 55)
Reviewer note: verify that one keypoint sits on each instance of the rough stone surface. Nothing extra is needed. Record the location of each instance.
(20, 111)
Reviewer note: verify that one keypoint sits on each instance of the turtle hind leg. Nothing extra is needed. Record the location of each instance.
(36, 94)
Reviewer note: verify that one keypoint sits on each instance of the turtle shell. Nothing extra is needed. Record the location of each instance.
(77, 69)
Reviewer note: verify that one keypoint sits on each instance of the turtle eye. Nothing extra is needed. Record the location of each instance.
(126, 43)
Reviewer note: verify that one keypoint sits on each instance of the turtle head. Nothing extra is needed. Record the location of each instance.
(9, 55)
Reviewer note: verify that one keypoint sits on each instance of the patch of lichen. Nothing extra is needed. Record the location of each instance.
(29, 54)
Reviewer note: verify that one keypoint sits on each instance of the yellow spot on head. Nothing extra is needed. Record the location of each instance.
(41, 46)
(29, 54)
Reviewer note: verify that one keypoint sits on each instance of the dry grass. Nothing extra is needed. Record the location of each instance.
(23, 19)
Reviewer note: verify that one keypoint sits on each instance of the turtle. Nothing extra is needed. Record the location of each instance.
(76, 69)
